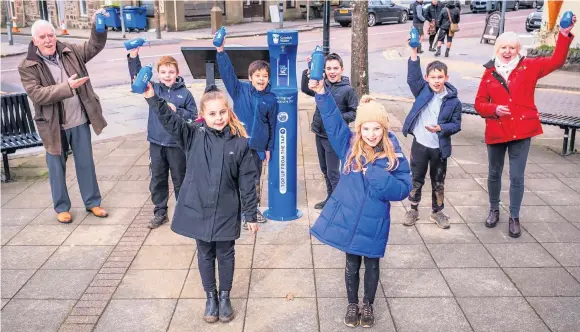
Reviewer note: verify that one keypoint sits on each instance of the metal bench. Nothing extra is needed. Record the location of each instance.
(566, 122)
(18, 130)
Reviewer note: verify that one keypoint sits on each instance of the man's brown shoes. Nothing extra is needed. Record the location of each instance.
(98, 212)
(64, 217)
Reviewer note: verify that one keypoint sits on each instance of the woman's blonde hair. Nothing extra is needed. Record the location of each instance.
(507, 38)
(369, 110)
(213, 93)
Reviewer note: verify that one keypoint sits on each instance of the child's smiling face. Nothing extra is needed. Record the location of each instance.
(216, 114)
(260, 79)
(436, 79)
(372, 133)
(167, 74)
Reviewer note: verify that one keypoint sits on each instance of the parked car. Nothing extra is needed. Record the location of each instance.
(481, 6)
(380, 11)
(531, 3)
(534, 20)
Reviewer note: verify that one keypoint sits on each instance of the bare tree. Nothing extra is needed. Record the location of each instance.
(157, 19)
(359, 45)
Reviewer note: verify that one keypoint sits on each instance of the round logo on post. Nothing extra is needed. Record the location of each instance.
(282, 117)
(282, 131)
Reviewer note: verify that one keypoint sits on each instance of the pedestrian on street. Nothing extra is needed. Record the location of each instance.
(347, 102)
(433, 119)
(256, 106)
(447, 22)
(55, 77)
(506, 100)
(356, 219)
(419, 21)
(219, 183)
(164, 153)
(432, 16)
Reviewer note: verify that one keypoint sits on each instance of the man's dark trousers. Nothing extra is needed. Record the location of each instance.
(329, 163)
(162, 160)
(422, 158)
(79, 140)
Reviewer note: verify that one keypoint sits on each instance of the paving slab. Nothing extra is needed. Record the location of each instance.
(414, 283)
(461, 255)
(35, 315)
(25, 257)
(163, 258)
(270, 283)
(78, 258)
(137, 315)
(13, 280)
(297, 315)
(165, 236)
(282, 256)
(96, 235)
(561, 314)
(491, 314)
(18, 217)
(553, 232)
(479, 282)
(145, 284)
(42, 235)
(498, 234)
(427, 315)
(57, 284)
(455, 234)
(568, 254)
(544, 281)
(117, 216)
(193, 287)
(521, 255)
(401, 234)
(407, 256)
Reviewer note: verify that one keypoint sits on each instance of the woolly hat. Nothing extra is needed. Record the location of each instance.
(370, 110)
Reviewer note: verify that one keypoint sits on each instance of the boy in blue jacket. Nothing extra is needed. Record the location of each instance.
(433, 119)
(164, 153)
(255, 106)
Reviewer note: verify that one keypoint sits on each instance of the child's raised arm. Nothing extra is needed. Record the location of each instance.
(414, 78)
(175, 125)
(336, 128)
(228, 74)
(134, 63)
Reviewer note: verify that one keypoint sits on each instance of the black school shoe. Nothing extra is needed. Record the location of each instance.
(367, 318)
(352, 317)
(211, 307)
(226, 313)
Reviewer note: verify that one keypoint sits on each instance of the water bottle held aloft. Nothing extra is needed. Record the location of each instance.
(317, 64)
(100, 23)
(144, 76)
(134, 43)
(566, 20)
(218, 40)
(414, 42)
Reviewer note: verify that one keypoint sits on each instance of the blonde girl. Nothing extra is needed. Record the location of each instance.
(356, 218)
(220, 177)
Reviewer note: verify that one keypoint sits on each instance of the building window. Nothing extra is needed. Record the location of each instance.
(291, 4)
(83, 7)
(12, 10)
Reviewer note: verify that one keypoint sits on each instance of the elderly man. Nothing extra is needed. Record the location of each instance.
(54, 74)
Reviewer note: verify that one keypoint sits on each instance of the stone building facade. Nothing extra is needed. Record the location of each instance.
(176, 15)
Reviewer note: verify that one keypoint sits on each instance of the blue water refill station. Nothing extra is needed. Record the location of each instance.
(282, 169)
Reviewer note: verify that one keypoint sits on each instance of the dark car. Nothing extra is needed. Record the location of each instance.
(481, 6)
(531, 3)
(380, 11)
(534, 20)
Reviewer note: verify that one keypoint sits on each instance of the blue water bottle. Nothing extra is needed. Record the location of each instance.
(317, 64)
(140, 83)
(218, 40)
(414, 43)
(100, 23)
(134, 43)
(566, 20)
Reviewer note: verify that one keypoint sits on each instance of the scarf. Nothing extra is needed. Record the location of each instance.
(505, 69)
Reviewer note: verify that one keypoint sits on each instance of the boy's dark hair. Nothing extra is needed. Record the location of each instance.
(436, 65)
(257, 66)
(334, 56)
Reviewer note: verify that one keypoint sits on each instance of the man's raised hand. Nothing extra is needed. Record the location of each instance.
(74, 82)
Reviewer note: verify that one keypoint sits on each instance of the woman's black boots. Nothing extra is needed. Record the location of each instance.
(514, 227)
(226, 313)
(211, 314)
(492, 218)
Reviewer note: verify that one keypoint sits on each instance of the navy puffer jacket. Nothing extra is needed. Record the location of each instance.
(357, 217)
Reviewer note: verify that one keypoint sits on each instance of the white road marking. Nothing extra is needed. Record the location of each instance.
(8, 70)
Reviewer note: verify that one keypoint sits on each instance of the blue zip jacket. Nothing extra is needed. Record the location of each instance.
(256, 109)
(450, 115)
(177, 94)
(357, 217)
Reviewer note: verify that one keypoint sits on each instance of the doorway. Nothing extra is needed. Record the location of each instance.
(43, 10)
(253, 10)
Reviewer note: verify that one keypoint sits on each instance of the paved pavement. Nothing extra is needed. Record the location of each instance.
(115, 274)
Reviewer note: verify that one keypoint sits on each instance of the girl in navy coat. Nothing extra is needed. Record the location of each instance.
(356, 218)
(219, 185)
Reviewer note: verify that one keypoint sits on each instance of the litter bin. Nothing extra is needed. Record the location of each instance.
(135, 18)
(114, 19)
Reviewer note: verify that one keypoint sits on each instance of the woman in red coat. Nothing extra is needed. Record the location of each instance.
(506, 100)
